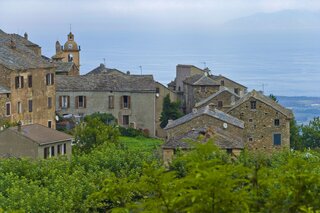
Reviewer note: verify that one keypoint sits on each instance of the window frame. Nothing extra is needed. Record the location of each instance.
(19, 107)
(123, 119)
(111, 102)
(8, 104)
(30, 105)
(276, 122)
(253, 105)
(274, 141)
(29, 81)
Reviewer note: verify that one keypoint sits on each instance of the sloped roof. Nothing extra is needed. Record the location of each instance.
(222, 89)
(4, 89)
(259, 96)
(63, 66)
(219, 77)
(21, 57)
(215, 113)
(40, 134)
(102, 69)
(222, 138)
(201, 80)
(105, 82)
(189, 66)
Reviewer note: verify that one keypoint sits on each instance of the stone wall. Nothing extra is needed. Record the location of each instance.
(232, 85)
(260, 127)
(141, 112)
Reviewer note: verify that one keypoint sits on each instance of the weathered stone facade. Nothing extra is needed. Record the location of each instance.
(232, 85)
(183, 72)
(30, 80)
(223, 100)
(263, 119)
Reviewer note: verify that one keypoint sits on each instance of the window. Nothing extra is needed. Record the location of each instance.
(203, 89)
(253, 104)
(59, 149)
(111, 102)
(64, 102)
(229, 151)
(277, 139)
(19, 82)
(30, 105)
(222, 82)
(29, 81)
(49, 102)
(8, 109)
(236, 90)
(52, 151)
(19, 107)
(81, 102)
(125, 102)
(250, 120)
(46, 152)
(276, 122)
(64, 150)
(158, 90)
(70, 57)
(250, 139)
(50, 124)
(220, 104)
(50, 79)
(125, 120)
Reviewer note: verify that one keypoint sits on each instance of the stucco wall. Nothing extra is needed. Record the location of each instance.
(142, 110)
(259, 125)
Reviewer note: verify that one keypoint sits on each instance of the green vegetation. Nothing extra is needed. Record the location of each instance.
(125, 174)
(171, 110)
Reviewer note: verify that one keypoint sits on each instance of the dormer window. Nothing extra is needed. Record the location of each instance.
(253, 104)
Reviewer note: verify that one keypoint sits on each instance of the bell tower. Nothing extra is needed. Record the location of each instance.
(71, 51)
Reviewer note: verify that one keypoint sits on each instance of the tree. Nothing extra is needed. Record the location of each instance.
(273, 97)
(170, 110)
(106, 118)
(311, 134)
(93, 133)
(295, 137)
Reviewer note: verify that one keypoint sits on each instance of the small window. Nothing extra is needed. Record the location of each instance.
(49, 102)
(8, 109)
(29, 81)
(277, 139)
(229, 151)
(64, 101)
(222, 82)
(125, 120)
(50, 124)
(250, 139)
(19, 105)
(253, 104)
(70, 58)
(59, 149)
(111, 102)
(158, 90)
(50, 79)
(46, 152)
(19, 82)
(64, 151)
(126, 102)
(52, 151)
(250, 120)
(276, 122)
(220, 104)
(81, 101)
(236, 90)
(30, 105)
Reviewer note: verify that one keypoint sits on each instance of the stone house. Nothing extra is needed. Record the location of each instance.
(223, 100)
(69, 52)
(29, 78)
(224, 129)
(161, 92)
(236, 87)
(196, 88)
(34, 141)
(129, 98)
(5, 104)
(66, 68)
(267, 123)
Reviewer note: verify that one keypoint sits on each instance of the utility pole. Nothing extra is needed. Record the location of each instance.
(140, 69)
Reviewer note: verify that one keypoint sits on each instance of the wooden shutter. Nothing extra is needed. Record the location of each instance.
(76, 102)
(52, 78)
(121, 102)
(60, 101)
(85, 101)
(129, 102)
(68, 104)
(17, 82)
(22, 82)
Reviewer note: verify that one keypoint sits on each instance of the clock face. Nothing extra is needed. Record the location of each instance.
(69, 46)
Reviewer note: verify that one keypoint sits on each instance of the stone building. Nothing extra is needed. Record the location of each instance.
(129, 98)
(236, 87)
(5, 104)
(161, 92)
(29, 78)
(69, 53)
(224, 129)
(267, 123)
(34, 141)
(223, 100)
(196, 88)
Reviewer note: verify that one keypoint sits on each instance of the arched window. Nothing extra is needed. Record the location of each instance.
(70, 57)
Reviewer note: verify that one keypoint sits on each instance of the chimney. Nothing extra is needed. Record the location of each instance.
(19, 126)
(12, 44)
(170, 122)
(128, 72)
(26, 35)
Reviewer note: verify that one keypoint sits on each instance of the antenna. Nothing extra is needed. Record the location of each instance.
(204, 64)
(140, 69)
(263, 86)
(70, 27)
(104, 61)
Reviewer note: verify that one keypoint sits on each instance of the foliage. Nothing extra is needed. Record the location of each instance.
(295, 137)
(273, 97)
(170, 111)
(93, 133)
(106, 118)
(131, 132)
(311, 134)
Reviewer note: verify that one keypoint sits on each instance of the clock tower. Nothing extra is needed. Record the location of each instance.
(69, 52)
